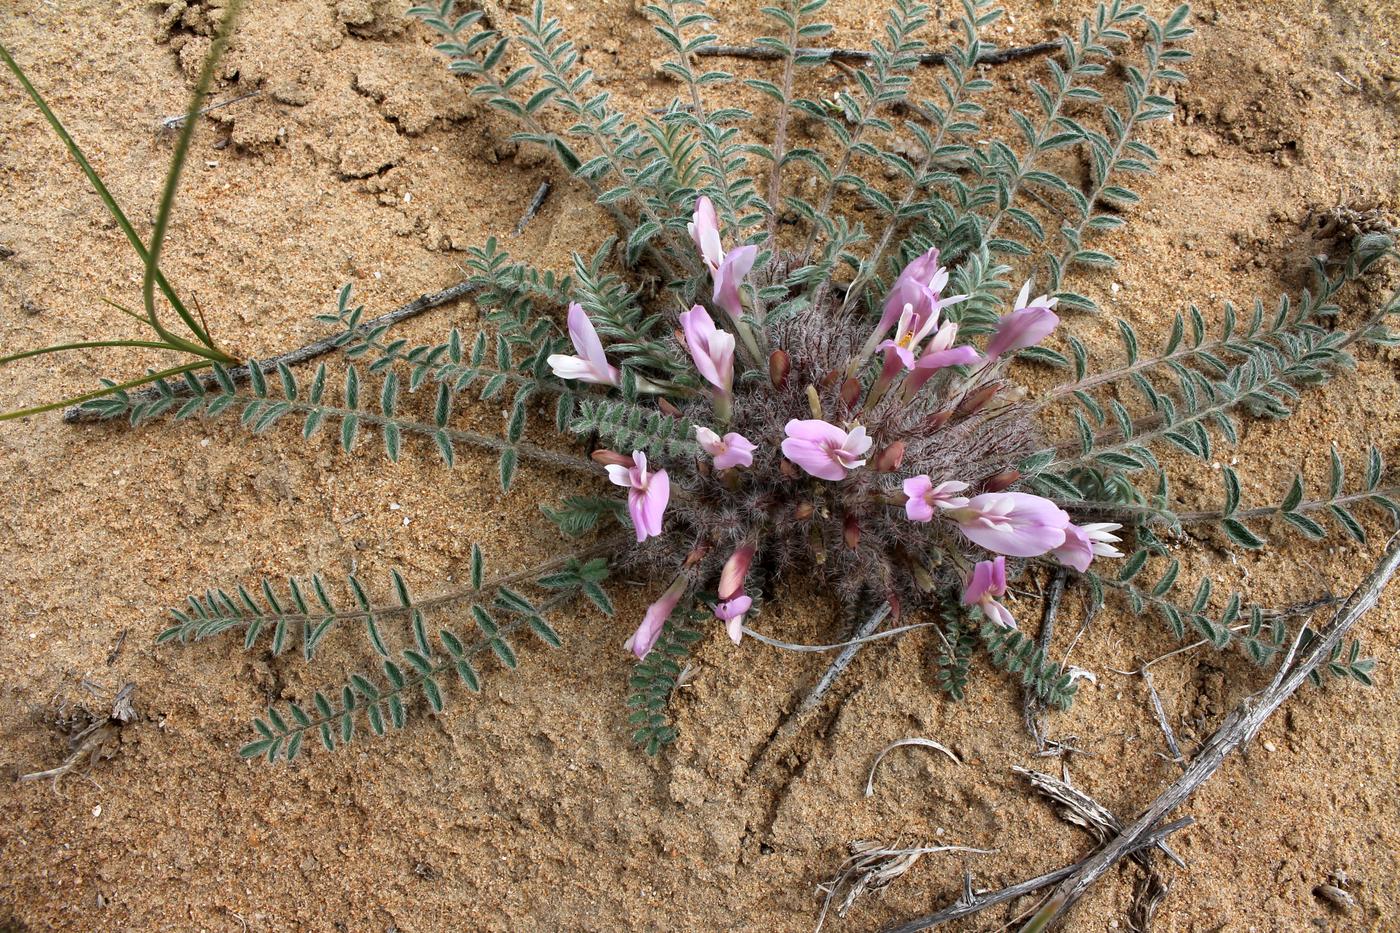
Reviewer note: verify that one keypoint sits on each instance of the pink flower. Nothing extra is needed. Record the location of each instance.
(729, 451)
(657, 613)
(924, 496)
(930, 363)
(918, 289)
(733, 603)
(824, 450)
(704, 230)
(591, 365)
(988, 582)
(729, 276)
(647, 494)
(731, 578)
(1013, 523)
(727, 271)
(731, 612)
(711, 348)
(1085, 542)
(922, 274)
(910, 332)
(1026, 325)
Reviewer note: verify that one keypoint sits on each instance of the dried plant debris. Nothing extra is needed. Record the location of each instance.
(1341, 224)
(91, 738)
(871, 866)
(915, 742)
(1334, 892)
(1075, 806)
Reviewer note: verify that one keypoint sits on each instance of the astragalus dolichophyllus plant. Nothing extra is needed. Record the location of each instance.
(805, 365)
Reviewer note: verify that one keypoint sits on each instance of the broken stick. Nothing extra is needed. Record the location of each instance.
(991, 57)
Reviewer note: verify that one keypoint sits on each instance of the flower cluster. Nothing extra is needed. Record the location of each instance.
(887, 402)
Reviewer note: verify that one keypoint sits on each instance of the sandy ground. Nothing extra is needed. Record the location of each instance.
(527, 808)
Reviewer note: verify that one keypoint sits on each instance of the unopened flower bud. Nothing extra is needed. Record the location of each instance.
(850, 391)
(889, 459)
(850, 530)
(1000, 481)
(937, 420)
(779, 365)
(731, 578)
(975, 402)
(788, 469)
(612, 458)
(803, 511)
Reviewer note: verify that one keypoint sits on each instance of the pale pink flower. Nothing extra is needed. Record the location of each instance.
(1025, 326)
(733, 603)
(732, 450)
(731, 578)
(918, 288)
(591, 365)
(923, 497)
(704, 230)
(727, 270)
(928, 365)
(731, 612)
(824, 450)
(989, 582)
(648, 492)
(1085, 542)
(1017, 524)
(711, 348)
(644, 638)
(922, 275)
(909, 333)
(729, 276)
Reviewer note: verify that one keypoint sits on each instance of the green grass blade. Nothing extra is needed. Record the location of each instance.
(83, 345)
(172, 180)
(93, 178)
(105, 390)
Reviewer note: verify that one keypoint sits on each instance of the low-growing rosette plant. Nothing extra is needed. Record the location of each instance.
(796, 364)
(882, 456)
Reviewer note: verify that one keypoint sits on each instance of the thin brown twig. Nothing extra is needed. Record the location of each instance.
(80, 415)
(1161, 715)
(790, 725)
(1238, 728)
(537, 202)
(993, 57)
